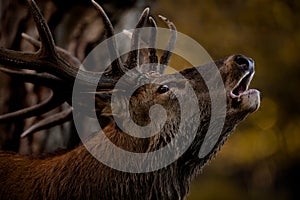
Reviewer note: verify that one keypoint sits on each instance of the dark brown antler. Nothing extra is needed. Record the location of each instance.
(165, 58)
(57, 69)
(117, 68)
(156, 166)
(47, 58)
(51, 121)
(132, 59)
(53, 101)
(73, 61)
(153, 58)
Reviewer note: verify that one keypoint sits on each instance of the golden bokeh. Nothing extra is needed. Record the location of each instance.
(261, 160)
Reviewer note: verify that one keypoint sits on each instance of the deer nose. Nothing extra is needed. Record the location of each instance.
(245, 63)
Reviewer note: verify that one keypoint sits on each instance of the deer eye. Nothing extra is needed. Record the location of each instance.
(163, 89)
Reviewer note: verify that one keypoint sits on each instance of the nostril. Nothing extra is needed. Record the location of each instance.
(243, 62)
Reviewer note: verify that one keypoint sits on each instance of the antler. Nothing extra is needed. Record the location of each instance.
(117, 68)
(165, 58)
(153, 58)
(57, 69)
(132, 59)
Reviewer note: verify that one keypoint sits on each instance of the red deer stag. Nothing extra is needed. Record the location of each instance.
(77, 174)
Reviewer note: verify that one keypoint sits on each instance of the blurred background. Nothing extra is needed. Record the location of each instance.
(261, 160)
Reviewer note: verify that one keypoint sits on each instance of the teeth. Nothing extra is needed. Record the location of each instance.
(232, 95)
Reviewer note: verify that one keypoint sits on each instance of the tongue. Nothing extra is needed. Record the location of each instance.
(241, 89)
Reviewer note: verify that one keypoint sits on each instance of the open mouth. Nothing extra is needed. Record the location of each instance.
(242, 86)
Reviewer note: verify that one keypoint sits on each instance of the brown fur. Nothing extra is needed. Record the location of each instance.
(78, 175)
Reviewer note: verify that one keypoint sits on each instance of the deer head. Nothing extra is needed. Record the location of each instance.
(142, 109)
(58, 70)
(136, 96)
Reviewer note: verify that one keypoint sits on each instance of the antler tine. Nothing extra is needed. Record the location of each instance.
(143, 52)
(116, 66)
(47, 47)
(153, 58)
(25, 60)
(165, 58)
(132, 59)
(53, 64)
(109, 29)
(50, 103)
(153, 55)
(49, 61)
(62, 70)
(62, 52)
(49, 122)
(35, 78)
(31, 40)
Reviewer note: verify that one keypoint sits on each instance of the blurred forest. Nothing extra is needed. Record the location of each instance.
(261, 160)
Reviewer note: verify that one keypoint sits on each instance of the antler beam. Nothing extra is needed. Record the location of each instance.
(57, 69)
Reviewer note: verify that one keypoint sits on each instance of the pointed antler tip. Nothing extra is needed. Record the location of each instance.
(152, 21)
(30, 39)
(162, 17)
(146, 11)
(24, 35)
(168, 22)
(97, 5)
(94, 2)
(24, 134)
(143, 18)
